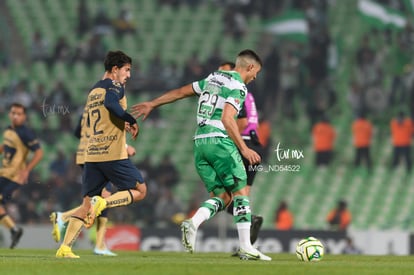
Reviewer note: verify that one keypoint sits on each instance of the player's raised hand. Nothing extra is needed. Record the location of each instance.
(142, 110)
(134, 130)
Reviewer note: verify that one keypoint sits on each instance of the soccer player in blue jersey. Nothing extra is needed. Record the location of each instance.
(105, 156)
(18, 141)
(218, 147)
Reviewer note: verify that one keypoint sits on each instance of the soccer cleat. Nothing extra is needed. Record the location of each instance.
(65, 251)
(104, 252)
(59, 227)
(15, 237)
(253, 254)
(98, 205)
(188, 235)
(257, 222)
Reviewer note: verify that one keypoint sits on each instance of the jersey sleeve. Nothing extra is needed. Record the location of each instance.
(197, 87)
(236, 98)
(243, 111)
(29, 138)
(112, 97)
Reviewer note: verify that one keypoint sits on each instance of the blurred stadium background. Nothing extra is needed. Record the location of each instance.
(182, 32)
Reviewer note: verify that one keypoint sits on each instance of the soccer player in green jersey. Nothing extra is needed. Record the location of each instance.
(247, 121)
(217, 143)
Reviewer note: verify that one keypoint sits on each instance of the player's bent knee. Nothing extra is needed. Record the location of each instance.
(140, 192)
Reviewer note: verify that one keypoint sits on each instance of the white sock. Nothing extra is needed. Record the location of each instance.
(200, 216)
(243, 229)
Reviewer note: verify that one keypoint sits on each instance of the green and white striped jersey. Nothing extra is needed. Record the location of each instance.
(218, 88)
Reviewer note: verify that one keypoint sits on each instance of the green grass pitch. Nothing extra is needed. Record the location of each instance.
(30, 261)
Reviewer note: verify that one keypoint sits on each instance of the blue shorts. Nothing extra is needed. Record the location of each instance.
(121, 173)
(7, 188)
(109, 187)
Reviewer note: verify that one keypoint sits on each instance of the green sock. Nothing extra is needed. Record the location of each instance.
(215, 205)
(242, 212)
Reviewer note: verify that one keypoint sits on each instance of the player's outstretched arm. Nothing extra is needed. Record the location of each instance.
(113, 106)
(144, 109)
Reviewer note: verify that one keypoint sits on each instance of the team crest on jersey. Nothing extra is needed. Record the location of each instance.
(116, 84)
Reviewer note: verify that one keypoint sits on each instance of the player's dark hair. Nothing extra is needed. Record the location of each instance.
(251, 54)
(116, 58)
(18, 105)
(228, 63)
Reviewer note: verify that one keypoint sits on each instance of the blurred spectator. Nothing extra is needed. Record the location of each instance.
(289, 82)
(60, 95)
(29, 213)
(146, 167)
(95, 49)
(321, 99)
(283, 217)
(65, 123)
(4, 104)
(39, 48)
(83, 18)
(154, 74)
(102, 24)
(124, 24)
(213, 60)
(406, 36)
(324, 135)
(193, 69)
(340, 217)
(168, 175)
(316, 65)
(22, 94)
(401, 134)
(368, 71)
(350, 247)
(267, 97)
(4, 56)
(138, 81)
(167, 208)
(235, 23)
(356, 99)
(172, 76)
(362, 131)
(59, 165)
(47, 134)
(364, 50)
(62, 51)
(400, 58)
(264, 131)
(39, 95)
(172, 3)
(145, 210)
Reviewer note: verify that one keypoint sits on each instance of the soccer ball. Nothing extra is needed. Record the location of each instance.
(309, 250)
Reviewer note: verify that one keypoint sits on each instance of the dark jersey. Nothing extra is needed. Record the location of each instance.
(18, 142)
(106, 117)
